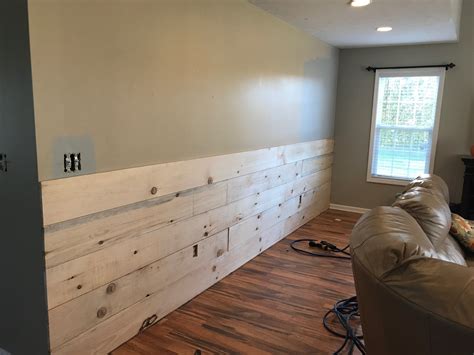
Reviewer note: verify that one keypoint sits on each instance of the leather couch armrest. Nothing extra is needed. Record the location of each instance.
(441, 288)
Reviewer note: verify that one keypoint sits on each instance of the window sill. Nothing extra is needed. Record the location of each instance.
(388, 181)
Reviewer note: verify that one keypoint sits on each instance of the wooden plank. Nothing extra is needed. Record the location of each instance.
(81, 275)
(73, 239)
(320, 194)
(306, 150)
(305, 215)
(104, 191)
(314, 180)
(209, 197)
(70, 198)
(78, 276)
(81, 313)
(255, 204)
(112, 332)
(109, 334)
(252, 227)
(310, 166)
(247, 185)
(75, 317)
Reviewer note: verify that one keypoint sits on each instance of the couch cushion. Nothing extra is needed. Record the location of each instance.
(385, 237)
(430, 210)
(451, 251)
(463, 232)
(430, 182)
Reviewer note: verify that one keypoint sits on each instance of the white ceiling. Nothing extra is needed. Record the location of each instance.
(339, 24)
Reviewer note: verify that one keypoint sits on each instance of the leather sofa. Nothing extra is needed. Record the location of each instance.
(414, 283)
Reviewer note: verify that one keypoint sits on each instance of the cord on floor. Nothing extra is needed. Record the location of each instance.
(329, 250)
(346, 310)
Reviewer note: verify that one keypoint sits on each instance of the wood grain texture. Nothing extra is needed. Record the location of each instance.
(81, 313)
(246, 185)
(85, 273)
(113, 331)
(107, 270)
(274, 304)
(72, 239)
(312, 165)
(75, 238)
(105, 191)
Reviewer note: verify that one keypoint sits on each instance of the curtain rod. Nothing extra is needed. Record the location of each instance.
(446, 66)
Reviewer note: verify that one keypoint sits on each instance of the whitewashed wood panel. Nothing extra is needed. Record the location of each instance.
(306, 150)
(73, 318)
(235, 206)
(73, 239)
(244, 186)
(252, 227)
(83, 274)
(209, 197)
(312, 165)
(80, 314)
(104, 191)
(112, 332)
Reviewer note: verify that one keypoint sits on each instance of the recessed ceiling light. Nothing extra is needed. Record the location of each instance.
(360, 3)
(384, 29)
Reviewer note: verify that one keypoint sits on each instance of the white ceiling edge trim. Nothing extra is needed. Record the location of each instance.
(452, 23)
(369, 46)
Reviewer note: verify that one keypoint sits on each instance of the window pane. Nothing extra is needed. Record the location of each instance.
(389, 113)
(404, 123)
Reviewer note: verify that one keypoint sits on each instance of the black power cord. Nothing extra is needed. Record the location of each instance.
(330, 250)
(346, 310)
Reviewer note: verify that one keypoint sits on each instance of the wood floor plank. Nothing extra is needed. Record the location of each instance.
(274, 304)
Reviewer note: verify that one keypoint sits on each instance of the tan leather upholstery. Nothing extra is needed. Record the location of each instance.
(470, 261)
(415, 290)
(451, 251)
(430, 211)
(430, 182)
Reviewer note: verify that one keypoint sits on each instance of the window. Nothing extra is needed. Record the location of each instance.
(405, 119)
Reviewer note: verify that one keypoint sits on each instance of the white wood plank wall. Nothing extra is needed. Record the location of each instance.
(122, 251)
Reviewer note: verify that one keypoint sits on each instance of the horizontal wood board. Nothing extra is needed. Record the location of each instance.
(111, 262)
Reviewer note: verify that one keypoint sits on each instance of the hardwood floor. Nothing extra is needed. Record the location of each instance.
(272, 305)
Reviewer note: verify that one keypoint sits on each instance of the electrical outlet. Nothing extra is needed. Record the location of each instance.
(72, 162)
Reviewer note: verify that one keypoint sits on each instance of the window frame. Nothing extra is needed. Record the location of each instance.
(384, 73)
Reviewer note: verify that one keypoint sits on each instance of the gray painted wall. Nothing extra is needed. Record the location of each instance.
(193, 79)
(354, 106)
(23, 308)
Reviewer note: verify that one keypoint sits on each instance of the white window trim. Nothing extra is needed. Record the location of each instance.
(441, 72)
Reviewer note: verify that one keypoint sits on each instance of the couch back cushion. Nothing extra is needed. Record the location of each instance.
(385, 237)
(450, 250)
(430, 210)
(430, 182)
